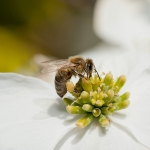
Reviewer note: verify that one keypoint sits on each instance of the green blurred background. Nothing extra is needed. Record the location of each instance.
(58, 28)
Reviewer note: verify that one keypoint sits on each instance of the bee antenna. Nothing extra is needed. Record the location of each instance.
(96, 72)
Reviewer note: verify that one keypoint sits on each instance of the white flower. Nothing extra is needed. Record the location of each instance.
(26, 126)
(123, 22)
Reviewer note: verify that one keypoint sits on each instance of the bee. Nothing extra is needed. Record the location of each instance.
(66, 68)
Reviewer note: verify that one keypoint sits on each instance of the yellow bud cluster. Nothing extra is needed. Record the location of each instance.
(97, 98)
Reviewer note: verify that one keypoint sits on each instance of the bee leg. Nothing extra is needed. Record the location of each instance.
(89, 75)
(76, 91)
(80, 75)
(97, 73)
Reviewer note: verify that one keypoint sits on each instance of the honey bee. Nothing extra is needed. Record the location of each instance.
(66, 68)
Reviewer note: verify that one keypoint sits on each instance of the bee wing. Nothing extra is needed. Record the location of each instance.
(56, 62)
(54, 65)
(49, 69)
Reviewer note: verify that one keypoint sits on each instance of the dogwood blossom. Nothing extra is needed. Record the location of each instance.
(33, 117)
(25, 125)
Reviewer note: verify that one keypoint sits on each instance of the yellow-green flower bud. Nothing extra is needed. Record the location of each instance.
(79, 101)
(105, 88)
(123, 104)
(95, 82)
(104, 122)
(70, 86)
(93, 101)
(107, 110)
(86, 84)
(100, 95)
(75, 110)
(110, 94)
(92, 79)
(83, 122)
(75, 104)
(112, 83)
(87, 107)
(96, 78)
(99, 103)
(95, 95)
(85, 97)
(96, 112)
(125, 96)
(108, 78)
(117, 99)
(68, 101)
(120, 83)
(95, 86)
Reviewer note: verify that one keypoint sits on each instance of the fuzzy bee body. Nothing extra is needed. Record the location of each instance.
(61, 80)
(74, 66)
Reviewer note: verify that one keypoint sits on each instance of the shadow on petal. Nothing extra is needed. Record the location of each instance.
(50, 108)
(75, 133)
(55, 109)
(96, 126)
(102, 131)
(72, 119)
(58, 109)
(79, 134)
(119, 115)
(127, 131)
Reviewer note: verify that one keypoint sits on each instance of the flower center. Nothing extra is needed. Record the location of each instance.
(97, 98)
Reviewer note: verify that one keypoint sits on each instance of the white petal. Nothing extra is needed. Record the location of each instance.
(95, 137)
(103, 52)
(41, 135)
(115, 60)
(123, 22)
(136, 116)
(130, 64)
(18, 104)
(18, 107)
(18, 94)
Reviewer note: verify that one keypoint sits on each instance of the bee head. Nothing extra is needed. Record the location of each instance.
(89, 65)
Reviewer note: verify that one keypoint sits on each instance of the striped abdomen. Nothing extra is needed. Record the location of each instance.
(61, 78)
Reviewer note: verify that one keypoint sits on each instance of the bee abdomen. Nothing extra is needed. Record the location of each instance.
(60, 87)
(60, 84)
